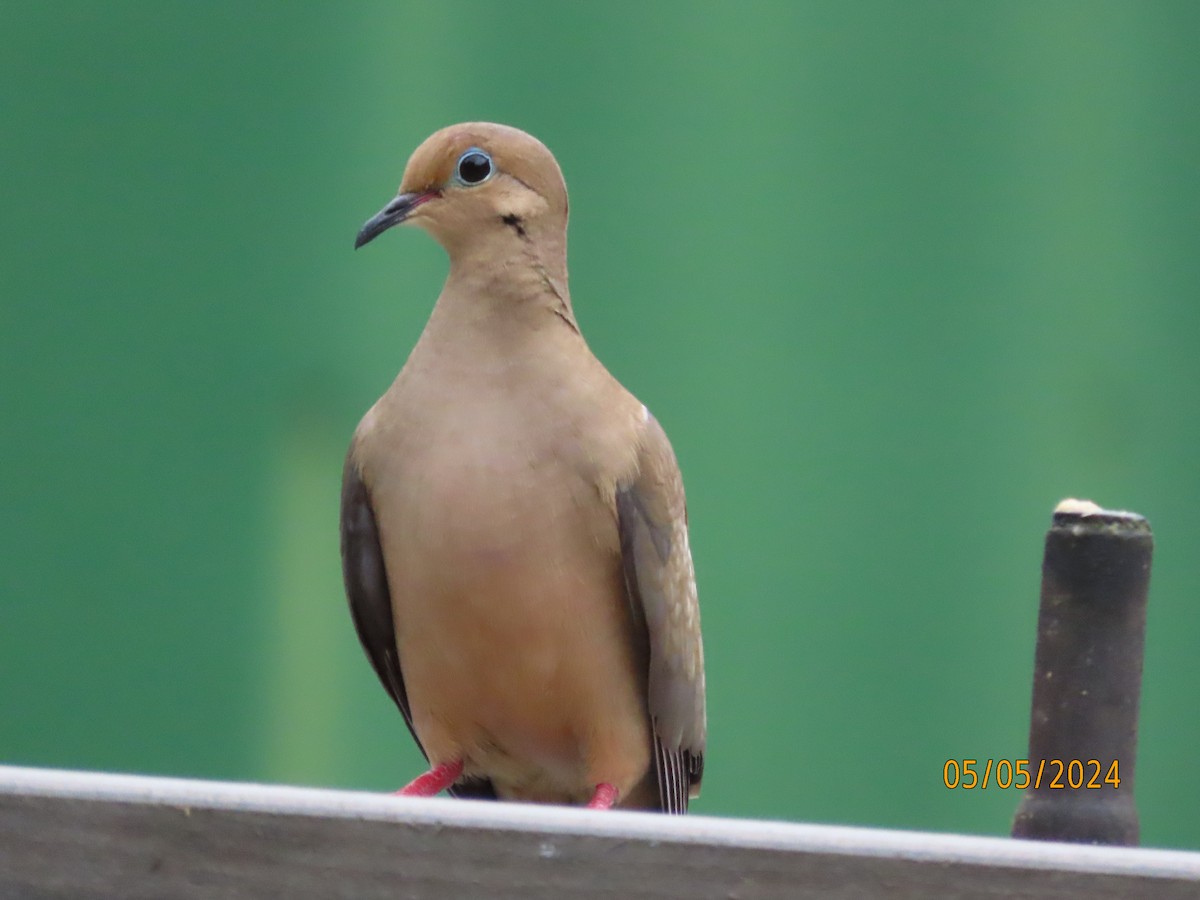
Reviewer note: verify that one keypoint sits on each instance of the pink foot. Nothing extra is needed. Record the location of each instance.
(434, 781)
(604, 798)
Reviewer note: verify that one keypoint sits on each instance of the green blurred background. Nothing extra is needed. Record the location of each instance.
(896, 277)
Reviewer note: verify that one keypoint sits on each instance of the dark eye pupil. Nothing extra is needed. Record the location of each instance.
(474, 167)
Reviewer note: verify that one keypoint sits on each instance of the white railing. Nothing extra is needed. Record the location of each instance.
(94, 836)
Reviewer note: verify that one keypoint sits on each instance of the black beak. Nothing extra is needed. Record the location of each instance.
(393, 214)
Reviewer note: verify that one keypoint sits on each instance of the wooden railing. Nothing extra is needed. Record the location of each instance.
(93, 836)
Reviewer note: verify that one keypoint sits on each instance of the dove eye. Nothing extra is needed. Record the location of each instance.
(474, 167)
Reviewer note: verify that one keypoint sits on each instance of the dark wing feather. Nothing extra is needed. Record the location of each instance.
(371, 604)
(652, 517)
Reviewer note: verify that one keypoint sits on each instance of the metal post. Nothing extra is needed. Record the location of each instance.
(1087, 678)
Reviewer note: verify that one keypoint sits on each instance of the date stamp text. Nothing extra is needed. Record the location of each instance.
(1019, 774)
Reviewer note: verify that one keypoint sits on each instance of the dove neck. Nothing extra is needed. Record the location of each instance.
(512, 280)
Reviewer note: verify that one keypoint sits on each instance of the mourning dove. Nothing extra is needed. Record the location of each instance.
(513, 524)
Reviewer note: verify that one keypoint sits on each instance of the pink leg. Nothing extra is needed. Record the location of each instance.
(604, 798)
(434, 781)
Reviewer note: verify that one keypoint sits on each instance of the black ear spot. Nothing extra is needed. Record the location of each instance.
(513, 221)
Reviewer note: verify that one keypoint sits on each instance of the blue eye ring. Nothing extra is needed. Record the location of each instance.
(474, 167)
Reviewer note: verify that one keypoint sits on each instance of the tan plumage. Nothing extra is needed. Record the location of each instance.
(514, 530)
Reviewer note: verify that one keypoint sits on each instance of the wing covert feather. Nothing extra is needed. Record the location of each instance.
(652, 516)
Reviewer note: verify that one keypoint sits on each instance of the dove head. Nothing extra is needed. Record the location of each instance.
(479, 188)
